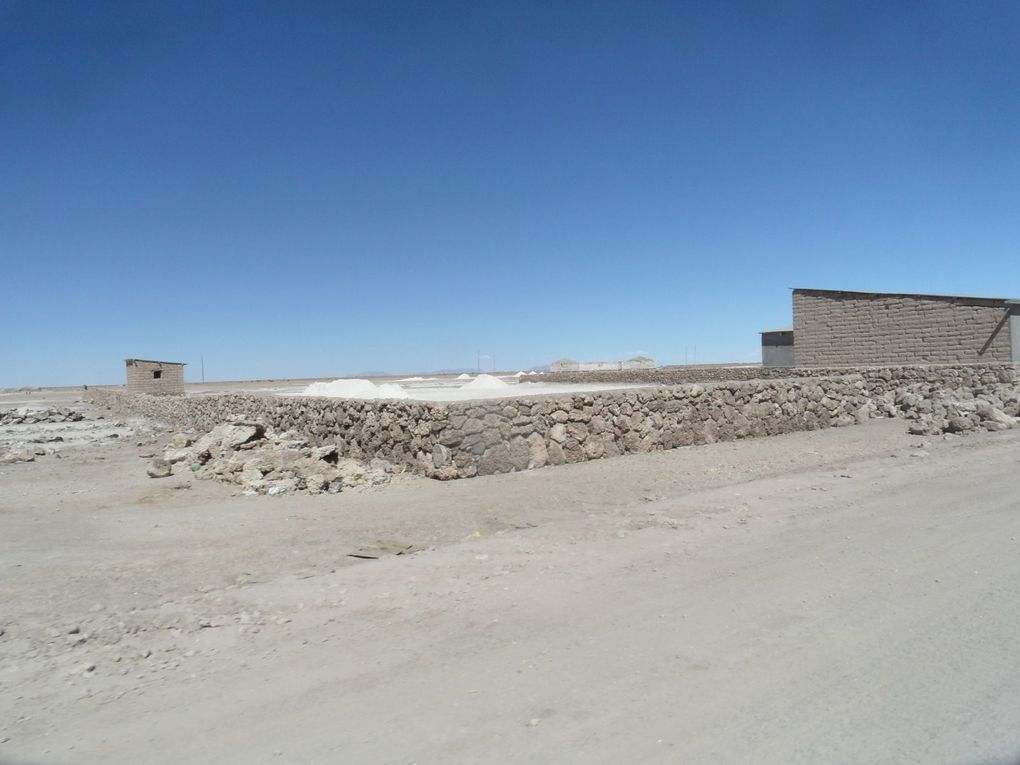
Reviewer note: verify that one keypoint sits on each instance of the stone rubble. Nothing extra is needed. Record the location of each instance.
(935, 410)
(264, 462)
(26, 416)
(27, 433)
(21, 453)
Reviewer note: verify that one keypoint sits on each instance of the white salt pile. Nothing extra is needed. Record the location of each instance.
(354, 389)
(485, 382)
(464, 376)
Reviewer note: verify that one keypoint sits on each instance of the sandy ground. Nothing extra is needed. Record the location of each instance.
(845, 596)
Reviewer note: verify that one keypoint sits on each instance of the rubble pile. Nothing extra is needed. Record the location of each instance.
(936, 410)
(25, 416)
(263, 462)
(27, 433)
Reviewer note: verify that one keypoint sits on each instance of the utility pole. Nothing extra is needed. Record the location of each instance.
(203, 367)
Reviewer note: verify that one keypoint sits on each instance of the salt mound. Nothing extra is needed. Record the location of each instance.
(411, 379)
(464, 376)
(354, 389)
(485, 382)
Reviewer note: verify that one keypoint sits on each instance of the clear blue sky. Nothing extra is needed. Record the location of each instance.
(303, 189)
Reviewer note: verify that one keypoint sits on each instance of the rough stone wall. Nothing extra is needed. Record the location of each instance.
(675, 375)
(140, 377)
(498, 436)
(941, 374)
(883, 379)
(857, 329)
(467, 438)
(462, 439)
(394, 430)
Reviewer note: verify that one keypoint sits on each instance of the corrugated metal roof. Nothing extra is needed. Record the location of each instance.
(781, 329)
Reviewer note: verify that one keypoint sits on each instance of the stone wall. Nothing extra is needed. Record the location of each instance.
(671, 375)
(396, 430)
(859, 328)
(882, 379)
(467, 438)
(952, 375)
(498, 436)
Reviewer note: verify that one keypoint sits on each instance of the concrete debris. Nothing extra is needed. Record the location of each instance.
(263, 462)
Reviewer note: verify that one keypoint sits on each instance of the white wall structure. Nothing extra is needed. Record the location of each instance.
(564, 365)
(569, 365)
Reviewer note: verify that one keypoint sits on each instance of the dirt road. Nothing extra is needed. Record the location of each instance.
(830, 597)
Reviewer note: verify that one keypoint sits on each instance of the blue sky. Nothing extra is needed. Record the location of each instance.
(305, 189)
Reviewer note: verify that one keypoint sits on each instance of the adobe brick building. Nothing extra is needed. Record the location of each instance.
(165, 378)
(834, 328)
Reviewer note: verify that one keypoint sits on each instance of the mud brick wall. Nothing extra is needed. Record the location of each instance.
(141, 377)
(841, 329)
